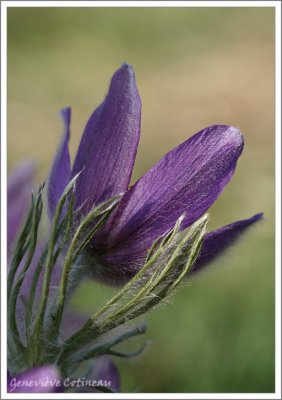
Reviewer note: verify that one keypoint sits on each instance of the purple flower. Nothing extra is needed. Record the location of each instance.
(102, 373)
(104, 369)
(19, 191)
(187, 180)
(20, 183)
(217, 241)
(44, 379)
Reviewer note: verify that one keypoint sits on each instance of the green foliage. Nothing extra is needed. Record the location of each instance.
(218, 336)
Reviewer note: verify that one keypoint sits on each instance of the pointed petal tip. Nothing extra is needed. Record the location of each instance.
(19, 188)
(28, 164)
(125, 75)
(218, 241)
(231, 134)
(125, 67)
(109, 143)
(257, 217)
(22, 173)
(237, 136)
(65, 110)
(65, 114)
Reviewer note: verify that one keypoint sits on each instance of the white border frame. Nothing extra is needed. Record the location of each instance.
(274, 4)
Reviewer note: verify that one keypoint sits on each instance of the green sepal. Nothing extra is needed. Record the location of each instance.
(30, 231)
(163, 274)
(95, 350)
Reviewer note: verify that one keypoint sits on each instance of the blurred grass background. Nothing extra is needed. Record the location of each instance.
(195, 67)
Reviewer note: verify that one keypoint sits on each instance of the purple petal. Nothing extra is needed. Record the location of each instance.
(106, 371)
(216, 242)
(61, 171)
(188, 179)
(18, 197)
(45, 379)
(109, 143)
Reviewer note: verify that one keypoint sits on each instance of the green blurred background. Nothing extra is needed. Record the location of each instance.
(195, 67)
